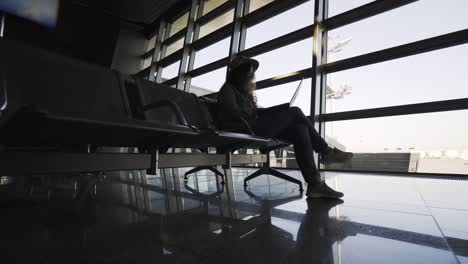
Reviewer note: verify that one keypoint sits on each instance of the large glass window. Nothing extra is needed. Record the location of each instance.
(170, 71)
(431, 142)
(212, 53)
(437, 142)
(412, 22)
(422, 143)
(177, 45)
(285, 60)
(336, 7)
(151, 43)
(216, 23)
(284, 23)
(433, 76)
(179, 24)
(212, 4)
(208, 83)
(146, 62)
(281, 94)
(256, 4)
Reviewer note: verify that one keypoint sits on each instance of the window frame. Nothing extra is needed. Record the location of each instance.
(319, 69)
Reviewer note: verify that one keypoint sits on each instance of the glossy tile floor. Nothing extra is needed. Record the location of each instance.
(382, 220)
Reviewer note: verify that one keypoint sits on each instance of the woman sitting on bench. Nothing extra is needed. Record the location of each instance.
(238, 109)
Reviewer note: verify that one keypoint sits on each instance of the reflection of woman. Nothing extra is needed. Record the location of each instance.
(238, 110)
(317, 234)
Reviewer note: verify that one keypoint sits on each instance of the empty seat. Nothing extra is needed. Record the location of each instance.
(144, 101)
(52, 99)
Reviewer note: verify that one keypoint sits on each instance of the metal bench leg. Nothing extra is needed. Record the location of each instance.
(262, 171)
(267, 170)
(210, 168)
(273, 172)
(285, 177)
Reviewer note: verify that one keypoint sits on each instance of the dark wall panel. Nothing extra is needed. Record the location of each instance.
(81, 32)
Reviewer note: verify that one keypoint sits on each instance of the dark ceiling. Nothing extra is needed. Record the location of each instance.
(140, 11)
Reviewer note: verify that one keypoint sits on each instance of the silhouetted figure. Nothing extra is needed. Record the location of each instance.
(317, 234)
(237, 111)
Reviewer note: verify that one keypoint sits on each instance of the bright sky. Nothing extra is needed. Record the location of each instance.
(433, 76)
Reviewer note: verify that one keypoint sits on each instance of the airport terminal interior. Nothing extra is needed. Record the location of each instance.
(112, 149)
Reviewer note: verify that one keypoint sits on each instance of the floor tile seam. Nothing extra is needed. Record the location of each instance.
(438, 225)
(415, 205)
(447, 208)
(385, 210)
(391, 204)
(446, 241)
(440, 201)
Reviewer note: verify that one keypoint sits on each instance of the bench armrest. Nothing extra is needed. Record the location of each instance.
(247, 126)
(174, 107)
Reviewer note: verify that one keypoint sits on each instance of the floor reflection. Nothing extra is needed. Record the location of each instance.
(136, 218)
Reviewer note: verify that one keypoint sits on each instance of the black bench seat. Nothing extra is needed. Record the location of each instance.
(38, 128)
(54, 99)
(48, 99)
(200, 113)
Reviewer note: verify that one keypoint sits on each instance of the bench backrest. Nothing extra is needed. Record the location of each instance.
(145, 92)
(57, 84)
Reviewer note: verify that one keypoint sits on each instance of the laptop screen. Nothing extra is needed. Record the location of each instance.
(296, 92)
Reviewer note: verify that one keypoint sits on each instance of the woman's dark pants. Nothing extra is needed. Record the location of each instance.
(292, 125)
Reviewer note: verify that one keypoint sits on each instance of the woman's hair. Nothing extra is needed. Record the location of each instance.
(243, 80)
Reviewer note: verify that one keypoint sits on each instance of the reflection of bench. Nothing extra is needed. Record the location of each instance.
(57, 112)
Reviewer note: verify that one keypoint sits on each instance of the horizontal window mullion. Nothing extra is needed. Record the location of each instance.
(209, 67)
(171, 81)
(363, 12)
(413, 48)
(213, 37)
(180, 34)
(150, 30)
(285, 78)
(290, 38)
(179, 13)
(148, 54)
(409, 109)
(145, 72)
(218, 11)
(263, 84)
(171, 58)
(270, 10)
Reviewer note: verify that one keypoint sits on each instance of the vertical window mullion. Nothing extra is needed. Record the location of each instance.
(323, 76)
(186, 46)
(157, 51)
(196, 33)
(243, 33)
(163, 50)
(236, 33)
(317, 102)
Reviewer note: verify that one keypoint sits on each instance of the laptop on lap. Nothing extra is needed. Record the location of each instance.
(285, 105)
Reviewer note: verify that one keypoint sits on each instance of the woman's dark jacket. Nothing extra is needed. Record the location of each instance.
(233, 108)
